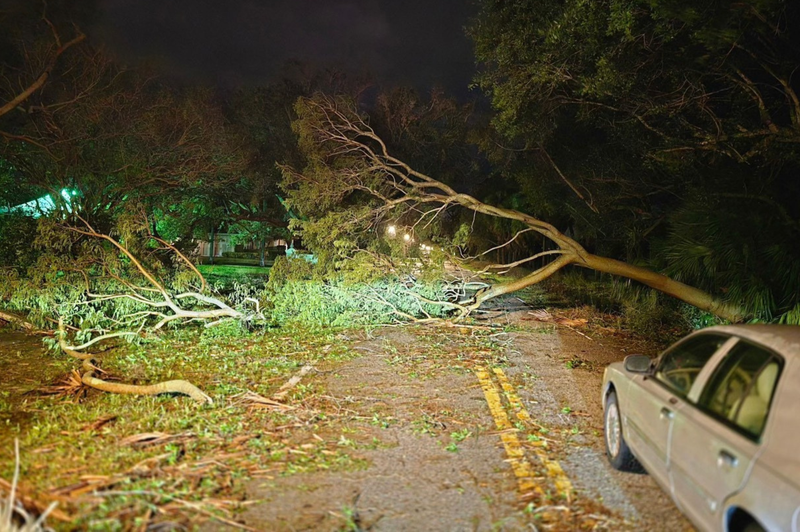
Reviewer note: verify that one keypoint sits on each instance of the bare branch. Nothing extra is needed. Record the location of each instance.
(520, 262)
(183, 257)
(42, 79)
(568, 182)
(89, 378)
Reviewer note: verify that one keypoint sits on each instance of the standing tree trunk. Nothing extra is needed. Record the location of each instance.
(211, 246)
(262, 245)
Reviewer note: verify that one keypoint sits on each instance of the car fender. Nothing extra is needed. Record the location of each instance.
(606, 386)
(768, 499)
(616, 376)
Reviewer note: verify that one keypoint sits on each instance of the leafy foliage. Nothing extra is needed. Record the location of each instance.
(99, 285)
(712, 243)
(656, 131)
(298, 294)
(341, 217)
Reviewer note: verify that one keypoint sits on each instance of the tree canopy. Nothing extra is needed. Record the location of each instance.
(669, 129)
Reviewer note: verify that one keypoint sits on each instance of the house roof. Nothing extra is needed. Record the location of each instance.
(42, 205)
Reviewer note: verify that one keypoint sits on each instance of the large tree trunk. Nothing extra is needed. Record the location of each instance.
(688, 294)
(571, 252)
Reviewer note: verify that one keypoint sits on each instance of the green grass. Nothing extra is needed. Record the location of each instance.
(211, 449)
(230, 270)
(225, 276)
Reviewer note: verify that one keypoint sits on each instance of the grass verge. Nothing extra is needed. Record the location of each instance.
(115, 462)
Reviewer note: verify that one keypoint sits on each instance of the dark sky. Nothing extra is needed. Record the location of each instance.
(231, 42)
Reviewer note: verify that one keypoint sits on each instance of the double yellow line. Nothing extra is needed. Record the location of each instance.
(526, 475)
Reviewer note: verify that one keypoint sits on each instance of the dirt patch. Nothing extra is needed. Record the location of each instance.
(25, 365)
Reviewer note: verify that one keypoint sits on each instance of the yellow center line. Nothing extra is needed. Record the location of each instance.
(554, 469)
(516, 456)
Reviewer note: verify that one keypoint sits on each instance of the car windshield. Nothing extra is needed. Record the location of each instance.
(679, 366)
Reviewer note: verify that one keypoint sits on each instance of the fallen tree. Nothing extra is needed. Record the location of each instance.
(164, 306)
(151, 305)
(347, 158)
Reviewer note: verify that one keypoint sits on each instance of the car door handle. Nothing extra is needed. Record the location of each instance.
(726, 459)
(666, 413)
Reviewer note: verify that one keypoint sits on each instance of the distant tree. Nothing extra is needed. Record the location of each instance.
(142, 156)
(697, 81)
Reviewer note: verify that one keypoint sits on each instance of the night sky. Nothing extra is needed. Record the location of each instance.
(234, 42)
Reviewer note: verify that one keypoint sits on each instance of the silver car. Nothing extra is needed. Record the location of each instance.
(715, 420)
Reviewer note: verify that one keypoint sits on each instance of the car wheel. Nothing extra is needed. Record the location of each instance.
(753, 526)
(617, 450)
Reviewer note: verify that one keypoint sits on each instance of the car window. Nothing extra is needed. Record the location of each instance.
(741, 387)
(679, 366)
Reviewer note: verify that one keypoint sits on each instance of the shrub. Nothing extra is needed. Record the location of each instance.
(230, 329)
(297, 293)
(639, 308)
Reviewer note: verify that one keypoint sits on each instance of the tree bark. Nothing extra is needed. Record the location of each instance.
(11, 318)
(688, 294)
(88, 378)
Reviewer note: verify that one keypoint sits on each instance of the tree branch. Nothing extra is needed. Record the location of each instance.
(42, 79)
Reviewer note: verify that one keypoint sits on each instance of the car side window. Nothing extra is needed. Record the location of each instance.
(741, 387)
(678, 368)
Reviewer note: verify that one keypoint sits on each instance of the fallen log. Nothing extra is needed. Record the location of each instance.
(89, 378)
(17, 320)
(284, 390)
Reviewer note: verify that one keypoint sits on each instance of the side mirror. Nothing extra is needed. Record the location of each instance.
(637, 363)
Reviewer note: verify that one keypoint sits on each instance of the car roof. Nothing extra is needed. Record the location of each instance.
(785, 339)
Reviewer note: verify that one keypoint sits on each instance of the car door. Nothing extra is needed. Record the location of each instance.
(653, 400)
(715, 441)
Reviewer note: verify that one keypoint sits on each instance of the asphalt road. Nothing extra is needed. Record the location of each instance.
(466, 429)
